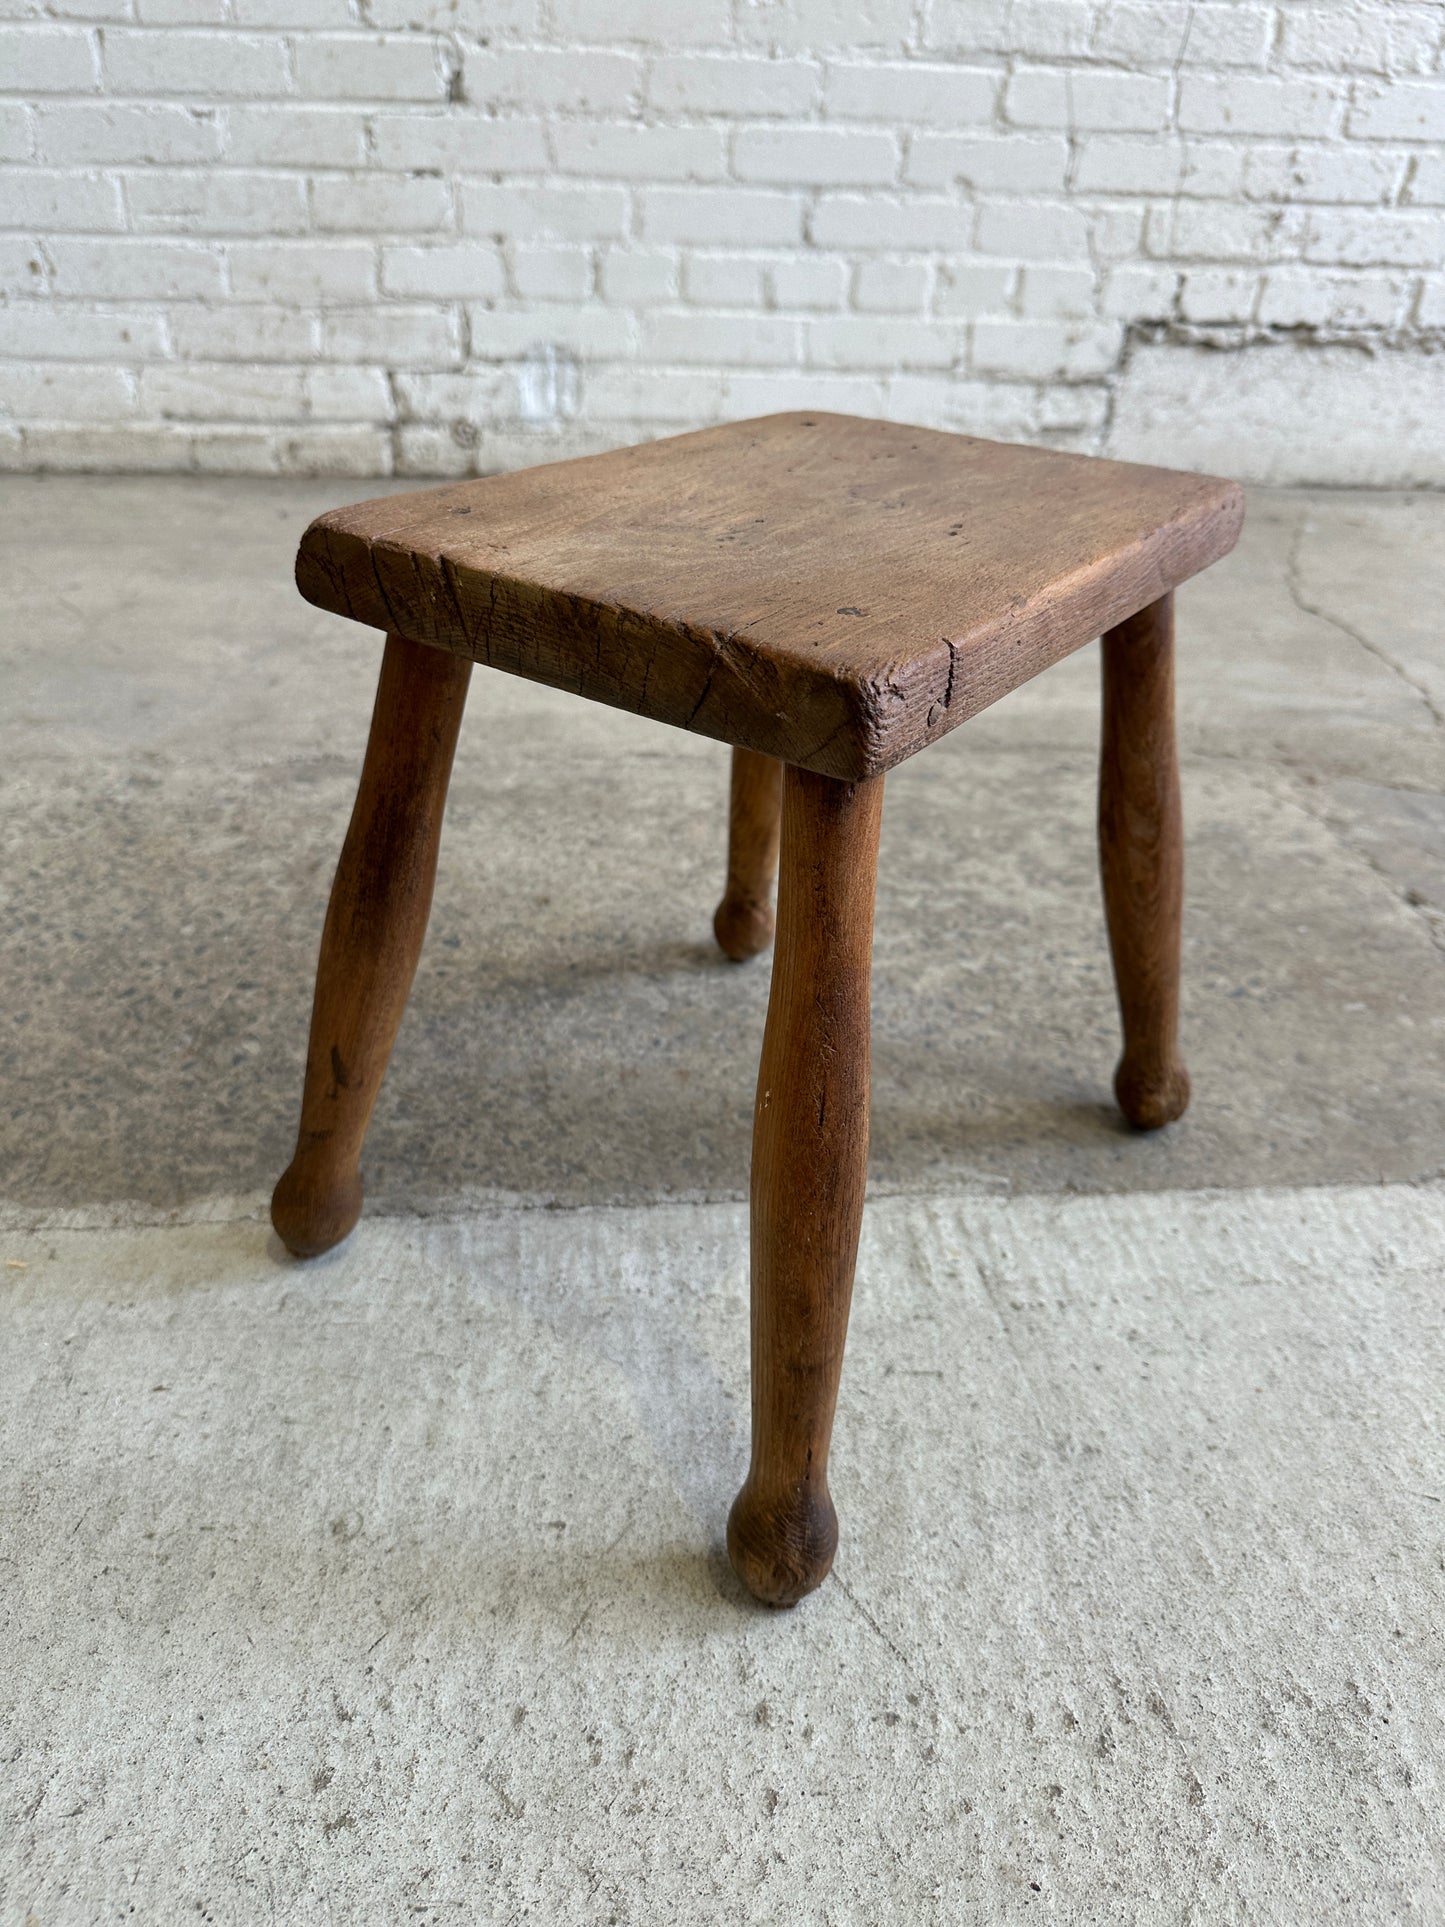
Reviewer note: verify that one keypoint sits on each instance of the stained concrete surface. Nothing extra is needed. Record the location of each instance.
(394, 1584)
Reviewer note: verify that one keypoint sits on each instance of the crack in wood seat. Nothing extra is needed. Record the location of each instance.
(829, 596)
(831, 592)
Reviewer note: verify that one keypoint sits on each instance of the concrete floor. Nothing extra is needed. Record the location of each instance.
(394, 1584)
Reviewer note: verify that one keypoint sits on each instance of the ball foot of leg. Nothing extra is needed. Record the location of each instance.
(782, 1547)
(312, 1214)
(742, 929)
(744, 921)
(1151, 1098)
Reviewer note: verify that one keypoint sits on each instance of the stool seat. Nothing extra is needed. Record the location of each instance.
(832, 592)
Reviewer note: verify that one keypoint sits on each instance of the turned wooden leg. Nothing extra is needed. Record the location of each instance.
(373, 936)
(810, 1156)
(743, 924)
(1141, 855)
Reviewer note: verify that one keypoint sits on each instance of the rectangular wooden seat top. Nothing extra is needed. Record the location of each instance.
(834, 592)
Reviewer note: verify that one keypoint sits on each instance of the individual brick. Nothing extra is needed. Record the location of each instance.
(125, 269)
(1329, 173)
(424, 335)
(887, 222)
(295, 136)
(1381, 238)
(196, 201)
(1250, 104)
(531, 213)
(989, 163)
(1386, 39)
(1138, 36)
(720, 216)
(131, 448)
(465, 271)
(72, 331)
(538, 80)
(222, 391)
(44, 197)
(1222, 231)
(724, 340)
(60, 391)
(815, 156)
(1050, 29)
(307, 272)
(632, 151)
(194, 65)
(242, 332)
(459, 142)
(464, 397)
(910, 94)
(717, 84)
(371, 203)
(1409, 110)
(369, 67)
(1235, 34)
(45, 59)
(969, 27)
(1298, 297)
(879, 341)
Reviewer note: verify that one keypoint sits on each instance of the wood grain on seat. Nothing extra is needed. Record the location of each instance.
(833, 592)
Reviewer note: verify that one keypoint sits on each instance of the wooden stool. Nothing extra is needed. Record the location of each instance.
(828, 595)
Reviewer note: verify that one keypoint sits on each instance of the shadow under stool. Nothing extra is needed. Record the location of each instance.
(829, 596)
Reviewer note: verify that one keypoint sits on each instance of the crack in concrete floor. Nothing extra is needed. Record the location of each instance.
(1375, 649)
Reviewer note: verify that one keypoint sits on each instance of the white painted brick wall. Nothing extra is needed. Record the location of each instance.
(402, 236)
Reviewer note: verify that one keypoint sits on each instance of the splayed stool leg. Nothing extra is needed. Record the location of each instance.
(375, 924)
